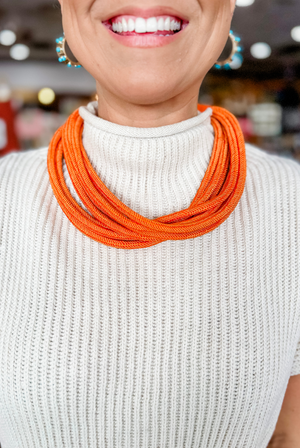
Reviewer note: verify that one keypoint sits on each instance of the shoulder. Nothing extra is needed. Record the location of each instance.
(22, 158)
(259, 158)
(271, 170)
(18, 166)
(272, 189)
(21, 175)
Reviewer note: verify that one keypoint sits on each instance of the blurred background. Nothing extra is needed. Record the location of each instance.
(261, 87)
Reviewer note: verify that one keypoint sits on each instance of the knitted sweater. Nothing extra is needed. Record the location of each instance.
(183, 344)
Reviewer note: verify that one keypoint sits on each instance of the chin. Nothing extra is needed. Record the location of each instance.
(146, 89)
(147, 96)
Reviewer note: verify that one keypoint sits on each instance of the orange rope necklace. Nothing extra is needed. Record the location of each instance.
(112, 223)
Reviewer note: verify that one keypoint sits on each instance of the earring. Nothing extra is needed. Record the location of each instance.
(236, 49)
(62, 55)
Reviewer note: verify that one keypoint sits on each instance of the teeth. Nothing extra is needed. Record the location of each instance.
(175, 26)
(151, 25)
(140, 25)
(161, 24)
(167, 24)
(131, 25)
(124, 26)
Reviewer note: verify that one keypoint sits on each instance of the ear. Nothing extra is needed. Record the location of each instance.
(232, 6)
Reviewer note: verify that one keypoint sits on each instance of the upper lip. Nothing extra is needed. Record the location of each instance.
(146, 13)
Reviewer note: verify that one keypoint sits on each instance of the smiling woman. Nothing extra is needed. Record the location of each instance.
(145, 79)
(149, 258)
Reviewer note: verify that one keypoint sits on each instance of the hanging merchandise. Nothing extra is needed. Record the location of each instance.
(8, 138)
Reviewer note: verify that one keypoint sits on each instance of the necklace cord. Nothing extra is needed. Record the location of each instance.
(110, 222)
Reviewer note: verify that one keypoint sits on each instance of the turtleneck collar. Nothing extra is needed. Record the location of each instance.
(154, 171)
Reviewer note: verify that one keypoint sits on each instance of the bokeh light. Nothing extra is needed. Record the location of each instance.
(7, 37)
(244, 2)
(19, 52)
(237, 61)
(46, 96)
(295, 33)
(260, 50)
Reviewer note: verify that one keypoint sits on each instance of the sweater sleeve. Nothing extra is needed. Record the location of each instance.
(296, 363)
(296, 182)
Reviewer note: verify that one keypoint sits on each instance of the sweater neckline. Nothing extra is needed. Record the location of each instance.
(154, 171)
(89, 115)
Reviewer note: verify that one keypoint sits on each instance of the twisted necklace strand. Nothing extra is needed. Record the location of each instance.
(112, 223)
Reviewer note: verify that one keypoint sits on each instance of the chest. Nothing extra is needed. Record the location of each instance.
(202, 324)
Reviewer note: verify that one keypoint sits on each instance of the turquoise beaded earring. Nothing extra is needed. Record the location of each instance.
(62, 55)
(236, 49)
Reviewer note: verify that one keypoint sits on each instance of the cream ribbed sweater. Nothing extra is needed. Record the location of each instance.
(183, 344)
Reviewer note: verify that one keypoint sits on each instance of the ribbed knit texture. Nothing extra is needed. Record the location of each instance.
(184, 344)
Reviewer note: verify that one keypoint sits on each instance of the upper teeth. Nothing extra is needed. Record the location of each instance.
(151, 25)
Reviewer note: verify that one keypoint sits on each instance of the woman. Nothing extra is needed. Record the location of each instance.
(150, 339)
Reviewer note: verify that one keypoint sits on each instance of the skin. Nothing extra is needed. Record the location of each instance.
(154, 86)
(287, 431)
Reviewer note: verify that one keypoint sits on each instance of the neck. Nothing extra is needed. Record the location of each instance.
(175, 110)
(154, 171)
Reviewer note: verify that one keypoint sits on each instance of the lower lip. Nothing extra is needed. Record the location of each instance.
(145, 40)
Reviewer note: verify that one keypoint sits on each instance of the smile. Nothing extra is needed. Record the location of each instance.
(146, 32)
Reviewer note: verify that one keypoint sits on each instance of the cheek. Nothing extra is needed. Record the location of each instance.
(76, 17)
(77, 7)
